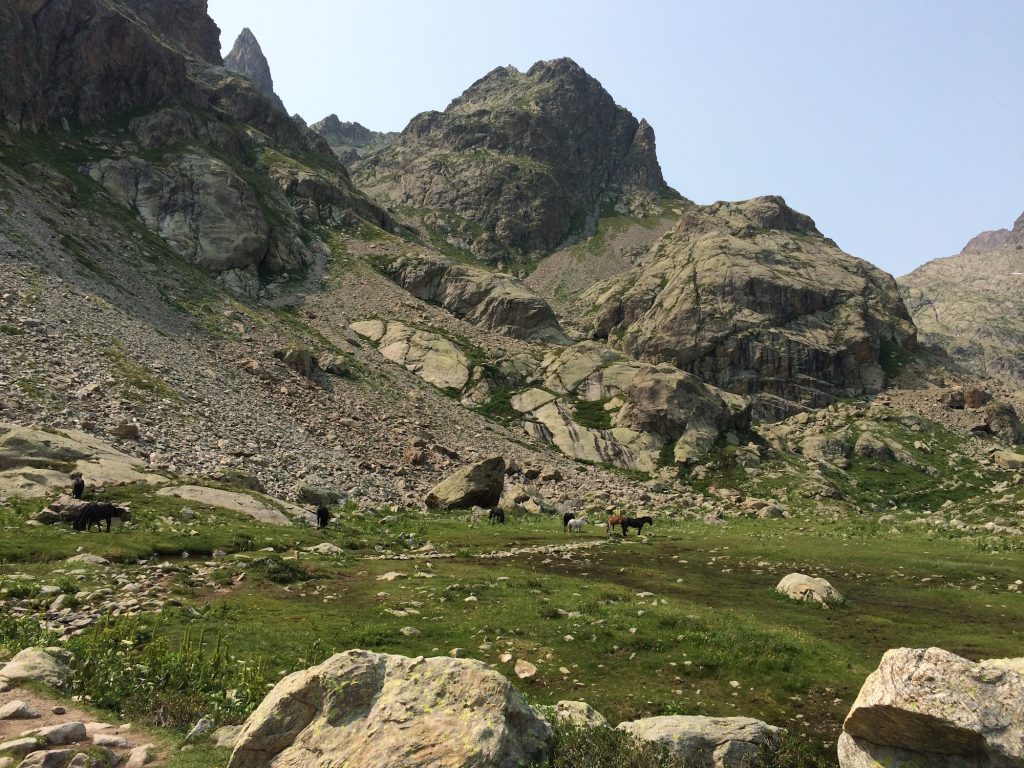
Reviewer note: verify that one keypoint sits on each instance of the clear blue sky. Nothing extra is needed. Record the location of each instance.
(898, 126)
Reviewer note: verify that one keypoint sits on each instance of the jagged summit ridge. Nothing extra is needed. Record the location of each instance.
(522, 157)
(247, 59)
(970, 304)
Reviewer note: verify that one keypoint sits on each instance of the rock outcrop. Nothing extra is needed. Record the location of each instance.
(371, 709)
(969, 304)
(519, 156)
(247, 59)
(752, 298)
(495, 301)
(706, 742)
(205, 211)
(931, 707)
(430, 356)
(478, 485)
(646, 409)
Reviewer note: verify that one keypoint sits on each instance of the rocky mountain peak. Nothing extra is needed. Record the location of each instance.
(746, 218)
(247, 59)
(524, 157)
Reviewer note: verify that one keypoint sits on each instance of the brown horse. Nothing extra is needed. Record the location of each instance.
(616, 520)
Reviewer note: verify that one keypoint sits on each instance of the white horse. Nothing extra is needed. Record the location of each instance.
(575, 525)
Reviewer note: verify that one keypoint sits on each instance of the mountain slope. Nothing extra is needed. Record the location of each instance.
(518, 161)
(351, 141)
(753, 299)
(972, 304)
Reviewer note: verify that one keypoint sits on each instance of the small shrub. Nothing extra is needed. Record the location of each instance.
(592, 414)
(576, 747)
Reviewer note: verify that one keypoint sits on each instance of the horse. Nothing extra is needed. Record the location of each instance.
(613, 521)
(94, 512)
(576, 524)
(637, 523)
(565, 520)
(496, 515)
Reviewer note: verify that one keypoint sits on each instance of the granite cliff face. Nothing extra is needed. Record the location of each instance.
(82, 62)
(247, 59)
(518, 160)
(753, 299)
(970, 304)
(184, 22)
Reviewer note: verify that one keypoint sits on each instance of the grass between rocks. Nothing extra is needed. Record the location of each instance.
(684, 621)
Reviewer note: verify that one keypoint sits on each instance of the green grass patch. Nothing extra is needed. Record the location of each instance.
(592, 414)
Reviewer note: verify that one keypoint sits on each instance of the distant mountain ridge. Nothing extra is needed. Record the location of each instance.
(972, 304)
(351, 141)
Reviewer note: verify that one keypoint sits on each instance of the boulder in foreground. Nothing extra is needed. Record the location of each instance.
(799, 586)
(930, 707)
(711, 742)
(361, 708)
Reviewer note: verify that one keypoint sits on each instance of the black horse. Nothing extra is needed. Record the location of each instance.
(565, 520)
(496, 515)
(95, 512)
(637, 523)
(323, 516)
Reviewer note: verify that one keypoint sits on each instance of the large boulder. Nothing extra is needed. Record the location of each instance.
(1003, 422)
(35, 665)
(830, 449)
(931, 707)
(478, 485)
(1009, 460)
(706, 742)
(809, 589)
(360, 708)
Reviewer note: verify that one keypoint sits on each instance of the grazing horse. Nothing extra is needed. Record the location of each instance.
(95, 512)
(496, 515)
(565, 520)
(576, 524)
(638, 523)
(613, 521)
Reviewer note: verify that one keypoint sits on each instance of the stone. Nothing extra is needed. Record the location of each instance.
(525, 669)
(1003, 422)
(479, 485)
(368, 709)
(976, 398)
(798, 586)
(931, 707)
(19, 747)
(335, 364)
(579, 713)
(49, 758)
(300, 360)
(87, 559)
(318, 490)
(141, 756)
(715, 742)
(17, 710)
(111, 740)
(830, 449)
(868, 446)
(239, 502)
(126, 430)
(62, 734)
(37, 666)
(203, 728)
(1009, 460)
